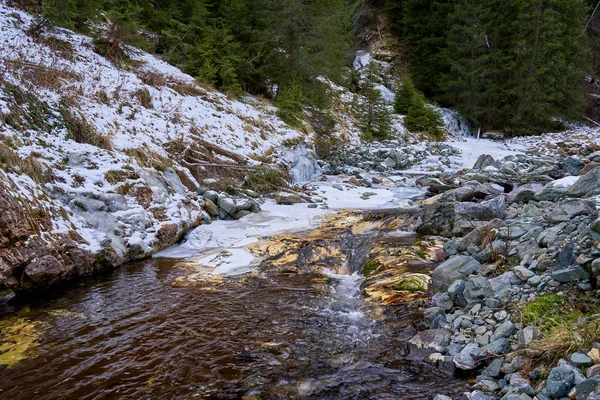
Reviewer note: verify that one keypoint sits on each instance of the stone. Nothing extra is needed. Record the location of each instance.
(455, 268)
(44, 270)
(496, 287)
(570, 274)
(474, 288)
(484, 160)
(559, 382)
(484, 211)
(517, 364)
(573, 165)
(437, 219)
(241, 214)
(523, 273)
(441, 397)
(442, 301)
(497, 347)
(580, 360)
(593, 371)
(504, 330)
(211, 208)
(585, 389)
(493, 370)
(456, 293)
(567, 256)
(594, 354)
(466, 358)
(288, 198)
(527, 335)
(524, 193)
(427, 342)
(228, 206)
(211, 195)
(586, 184)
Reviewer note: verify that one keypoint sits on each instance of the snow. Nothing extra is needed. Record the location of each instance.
(363, 58)
(303, 166)
(565, 182)
(472, 148)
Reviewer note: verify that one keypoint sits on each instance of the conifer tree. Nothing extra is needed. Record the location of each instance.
(373, 114)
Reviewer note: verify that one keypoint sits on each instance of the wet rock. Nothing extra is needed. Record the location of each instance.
(437, 219)
(484, 160)
(167, 235)
(455, 268)
(44, 270)
(484, 211)
(559, 382)
(428, 342)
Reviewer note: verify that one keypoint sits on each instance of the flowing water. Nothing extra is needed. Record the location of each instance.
(274, 335)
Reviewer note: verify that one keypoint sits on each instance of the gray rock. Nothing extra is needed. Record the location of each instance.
(573, 165)
(441, 397)
(443, 301)
(567, 256)
(455, 268)
(228, 205)
(527, 335)
(484, 211)
(586, 389)
(499, 346)
(456, 293)
(474, 288)
(587, 184)
(437, 219)
(559, 382)
(496, 287)
(466, 358)
(570, 274)
(504, 330)
(493, 370)
(524, 193)
(288, 198)
(523, 273)
(580, 360)
(517, 364)
(484, 160)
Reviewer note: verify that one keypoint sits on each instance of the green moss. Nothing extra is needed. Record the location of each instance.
(370, 267)
(410, 285)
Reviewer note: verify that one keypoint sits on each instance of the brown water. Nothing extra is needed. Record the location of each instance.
(277, 336)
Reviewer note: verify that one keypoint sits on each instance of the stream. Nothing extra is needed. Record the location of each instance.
(298, 325)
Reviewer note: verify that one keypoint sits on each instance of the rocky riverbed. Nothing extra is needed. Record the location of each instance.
(515, 305)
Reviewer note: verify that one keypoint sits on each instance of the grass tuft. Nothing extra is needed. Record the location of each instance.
(265, 180)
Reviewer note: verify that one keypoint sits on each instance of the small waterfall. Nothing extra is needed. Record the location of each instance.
(303, 166)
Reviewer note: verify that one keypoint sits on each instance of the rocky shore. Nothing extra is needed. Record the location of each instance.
(515, 304)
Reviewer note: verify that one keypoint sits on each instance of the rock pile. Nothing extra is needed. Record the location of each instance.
(517, 229)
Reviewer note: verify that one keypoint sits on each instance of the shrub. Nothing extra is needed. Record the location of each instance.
(265, 180)
(144, 97)
(405, 97)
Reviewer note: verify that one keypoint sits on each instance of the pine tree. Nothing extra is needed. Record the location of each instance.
(423, 119)
(373, 114)
(551, 57)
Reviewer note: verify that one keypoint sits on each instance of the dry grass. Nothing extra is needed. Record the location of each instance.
(116, 176)
(147, 158)
(58, 46)
(41, 76)
(144, 97)
(82, 131)
(10, 161)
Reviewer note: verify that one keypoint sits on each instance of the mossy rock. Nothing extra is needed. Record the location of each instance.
(413, 283)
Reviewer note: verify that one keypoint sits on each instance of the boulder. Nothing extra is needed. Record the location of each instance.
(504, 330)
(211, 208)
(288, 198)
(588, 388)
(484, 211)
(496, 287)
(586, 185)
(455, 268)
(573, 165)
(559, 382)
(228, 206)
(44, 270)
(569, 274)
(484, 160)
(524, 193)
(467, 358)
(437, 219)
